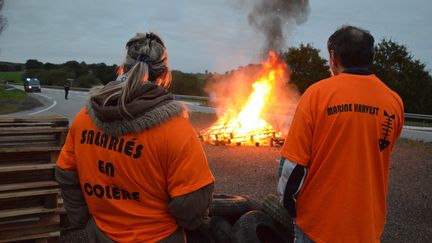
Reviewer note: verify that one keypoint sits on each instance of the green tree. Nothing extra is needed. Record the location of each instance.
(77, 68)
(86, 81)
(33, 64)
(306, 65)
(395, 66)
(186, 84)
(104, 72)
(55, 76)
(49, 66)
(32, 73)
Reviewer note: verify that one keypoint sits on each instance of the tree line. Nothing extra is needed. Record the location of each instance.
(393, 64)
(89, 75)
(83, 75)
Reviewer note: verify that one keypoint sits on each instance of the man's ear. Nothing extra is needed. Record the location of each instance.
(334, 62)
(333, 58)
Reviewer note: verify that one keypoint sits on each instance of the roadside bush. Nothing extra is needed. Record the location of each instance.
(86, 81)
(78, 69)
(186, 84)
(103, 72)
(32, 73)
(55, 77)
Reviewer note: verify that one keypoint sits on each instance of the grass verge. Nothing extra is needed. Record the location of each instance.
(13, 100)
(7, 93)
(12, 76)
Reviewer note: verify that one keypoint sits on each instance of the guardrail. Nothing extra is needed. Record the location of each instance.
(420, 122)
(191, 97)
(418, 116)
(61, 87)
(420, 119)
(181, 97)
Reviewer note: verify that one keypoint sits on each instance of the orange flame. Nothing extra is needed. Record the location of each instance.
(248, 127)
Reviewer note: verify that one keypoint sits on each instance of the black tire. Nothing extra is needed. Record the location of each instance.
(229, 205)
(221, 229)
(256, 227)
(276, 211)
(253, 205)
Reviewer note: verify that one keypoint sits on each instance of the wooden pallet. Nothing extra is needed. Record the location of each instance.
(29, 194)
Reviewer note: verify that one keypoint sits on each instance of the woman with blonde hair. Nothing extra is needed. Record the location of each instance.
(132, 168)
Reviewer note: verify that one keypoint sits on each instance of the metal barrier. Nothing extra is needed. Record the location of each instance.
(418, 116)
(422, 118)
(419, 122)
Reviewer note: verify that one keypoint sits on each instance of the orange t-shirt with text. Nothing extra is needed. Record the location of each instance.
(128, 181)
(343, 131)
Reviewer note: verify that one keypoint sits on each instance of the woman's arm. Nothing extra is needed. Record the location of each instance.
(73, 198)
(191, 209)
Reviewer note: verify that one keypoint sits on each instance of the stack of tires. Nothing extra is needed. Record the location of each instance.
(238, 219)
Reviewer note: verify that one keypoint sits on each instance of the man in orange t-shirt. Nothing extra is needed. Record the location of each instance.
(336, 155)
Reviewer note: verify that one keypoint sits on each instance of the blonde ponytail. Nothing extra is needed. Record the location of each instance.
(146, 61)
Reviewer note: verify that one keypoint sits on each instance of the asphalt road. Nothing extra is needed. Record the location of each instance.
(55, 103)
(415, 134)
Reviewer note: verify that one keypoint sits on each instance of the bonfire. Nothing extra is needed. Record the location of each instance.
(247, 125)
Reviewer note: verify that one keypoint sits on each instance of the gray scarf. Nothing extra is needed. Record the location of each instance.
(148, 107)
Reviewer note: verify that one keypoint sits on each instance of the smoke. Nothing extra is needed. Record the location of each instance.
(276, 18)
(3, 20)
(228, 92)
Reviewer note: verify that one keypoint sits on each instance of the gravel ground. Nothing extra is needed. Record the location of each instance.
(253, 171)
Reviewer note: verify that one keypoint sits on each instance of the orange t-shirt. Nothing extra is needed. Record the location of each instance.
(343, 131)
(128, 181)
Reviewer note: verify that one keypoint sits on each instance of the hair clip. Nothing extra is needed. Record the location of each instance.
(143, 57)
(154, 37)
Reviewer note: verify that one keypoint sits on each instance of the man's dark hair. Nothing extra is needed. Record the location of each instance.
(354, 47)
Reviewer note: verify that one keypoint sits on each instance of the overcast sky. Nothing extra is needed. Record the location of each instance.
(200, 34)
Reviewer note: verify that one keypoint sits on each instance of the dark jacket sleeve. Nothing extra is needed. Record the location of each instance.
(73, 198)
(290, 184)
(191, 209)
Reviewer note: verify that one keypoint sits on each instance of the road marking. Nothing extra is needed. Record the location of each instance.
(49, 107)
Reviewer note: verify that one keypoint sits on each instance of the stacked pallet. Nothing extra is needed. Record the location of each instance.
(29, 148)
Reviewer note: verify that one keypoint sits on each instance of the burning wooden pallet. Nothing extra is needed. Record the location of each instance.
(244, 121)
(230, 135)
(29, 148)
